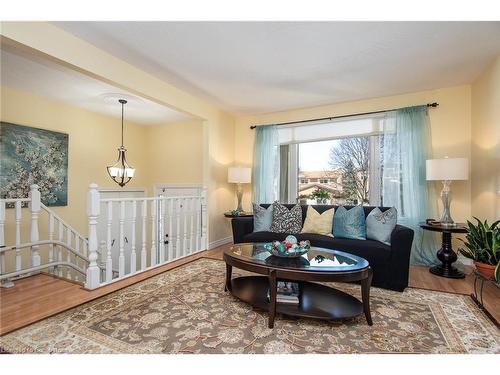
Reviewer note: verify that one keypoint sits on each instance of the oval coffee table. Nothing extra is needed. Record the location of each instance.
(315, 300)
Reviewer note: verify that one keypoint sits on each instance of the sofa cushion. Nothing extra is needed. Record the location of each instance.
(262, 218)
(379, 225)
(320, 223)
(286, 220)
(350, 223)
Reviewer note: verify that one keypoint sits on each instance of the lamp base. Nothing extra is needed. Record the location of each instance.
(239, 195)
(446, 220)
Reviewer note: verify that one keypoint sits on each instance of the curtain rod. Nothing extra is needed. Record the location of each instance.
(434, 105)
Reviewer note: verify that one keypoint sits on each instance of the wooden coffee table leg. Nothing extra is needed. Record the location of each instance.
(272, 298)
(229, 270)
(365, 294)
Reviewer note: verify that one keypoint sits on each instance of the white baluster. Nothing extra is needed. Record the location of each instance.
(18, 235)
(68, 256)
(93, 211)
(171, 253)
(178, 250)
(51, 236)
(77, 244)
(59, 248)
(144, 215)
(109, 260)
(121, 257)
(198, 224)
(35, 209)
(204, 220)
(161, 229)
(5, 283)
(184, 226)
(133, 255)
(153, 232)
(191, 215)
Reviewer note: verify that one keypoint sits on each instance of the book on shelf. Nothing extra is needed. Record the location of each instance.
(287, 292)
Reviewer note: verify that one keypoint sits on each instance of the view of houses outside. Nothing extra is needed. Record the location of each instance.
(334, 172)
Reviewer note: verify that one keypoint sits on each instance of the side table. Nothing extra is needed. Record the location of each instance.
(242, 214)
(446, 254)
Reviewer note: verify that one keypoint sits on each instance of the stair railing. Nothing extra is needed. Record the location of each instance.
(74, 248)
(177, 229)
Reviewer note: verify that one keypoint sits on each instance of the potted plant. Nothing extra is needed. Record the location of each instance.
(482, 245)
(321, 196)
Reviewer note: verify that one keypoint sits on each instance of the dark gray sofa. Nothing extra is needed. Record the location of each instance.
(390, 264)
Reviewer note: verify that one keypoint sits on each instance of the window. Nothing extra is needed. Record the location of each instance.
(342, 156)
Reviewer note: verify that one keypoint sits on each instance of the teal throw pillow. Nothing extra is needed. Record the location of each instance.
(262, 218)
(379, 225)
(349, 223)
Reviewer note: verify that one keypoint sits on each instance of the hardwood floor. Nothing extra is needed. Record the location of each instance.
(38, 297)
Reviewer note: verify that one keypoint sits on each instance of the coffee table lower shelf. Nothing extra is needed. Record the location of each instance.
(315, 300)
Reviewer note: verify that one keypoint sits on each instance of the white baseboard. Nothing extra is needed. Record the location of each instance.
(222, 241)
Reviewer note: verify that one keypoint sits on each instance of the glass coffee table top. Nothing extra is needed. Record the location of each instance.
(316, 259)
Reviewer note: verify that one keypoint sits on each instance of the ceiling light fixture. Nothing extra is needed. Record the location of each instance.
(121, 172)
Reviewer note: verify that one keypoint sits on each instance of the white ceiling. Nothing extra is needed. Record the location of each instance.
(257, 67)
(49, 79)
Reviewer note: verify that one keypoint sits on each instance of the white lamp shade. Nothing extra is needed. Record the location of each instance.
(239, 175)
(447, 169)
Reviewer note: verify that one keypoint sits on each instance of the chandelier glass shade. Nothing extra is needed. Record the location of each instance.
(121, 172)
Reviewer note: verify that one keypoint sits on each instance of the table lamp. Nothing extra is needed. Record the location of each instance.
(239, 175)
(447, 170)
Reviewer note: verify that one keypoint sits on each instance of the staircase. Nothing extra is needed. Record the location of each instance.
(177, 228)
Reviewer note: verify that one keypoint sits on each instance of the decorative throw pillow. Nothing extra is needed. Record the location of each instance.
(286, 220)
(318, 223)
(379, 225)
(262, 218)
(350, 223)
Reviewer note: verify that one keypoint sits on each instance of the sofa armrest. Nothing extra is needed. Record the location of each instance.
(401, 243)
(241, 226)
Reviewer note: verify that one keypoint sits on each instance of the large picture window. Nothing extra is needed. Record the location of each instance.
(335, 162)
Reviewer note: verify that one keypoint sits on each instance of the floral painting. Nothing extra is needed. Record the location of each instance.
(33, 156)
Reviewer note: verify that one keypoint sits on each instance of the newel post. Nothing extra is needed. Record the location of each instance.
(35, 210)
(93, 211)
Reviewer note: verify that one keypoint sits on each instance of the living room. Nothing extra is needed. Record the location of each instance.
(319, 197)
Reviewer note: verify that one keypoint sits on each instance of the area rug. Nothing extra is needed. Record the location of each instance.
(186, 310)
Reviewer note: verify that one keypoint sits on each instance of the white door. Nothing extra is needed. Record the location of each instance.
(115, 227)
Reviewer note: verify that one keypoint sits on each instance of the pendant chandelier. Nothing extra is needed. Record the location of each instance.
(121, 172)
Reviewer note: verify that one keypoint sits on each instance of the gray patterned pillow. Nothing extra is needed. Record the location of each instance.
(379, 225)
(286, 220)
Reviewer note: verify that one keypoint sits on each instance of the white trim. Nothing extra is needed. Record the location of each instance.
(160, 186)
(222, 241)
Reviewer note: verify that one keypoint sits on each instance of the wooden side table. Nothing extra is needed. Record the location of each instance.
(242, 214)
(446, 254)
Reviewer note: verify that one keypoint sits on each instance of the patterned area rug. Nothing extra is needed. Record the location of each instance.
(187, 311)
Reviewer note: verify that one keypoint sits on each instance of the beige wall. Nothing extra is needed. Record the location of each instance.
(170, 153)
(93, 143)
(174, 152)
(450, 128)
(486, 144)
